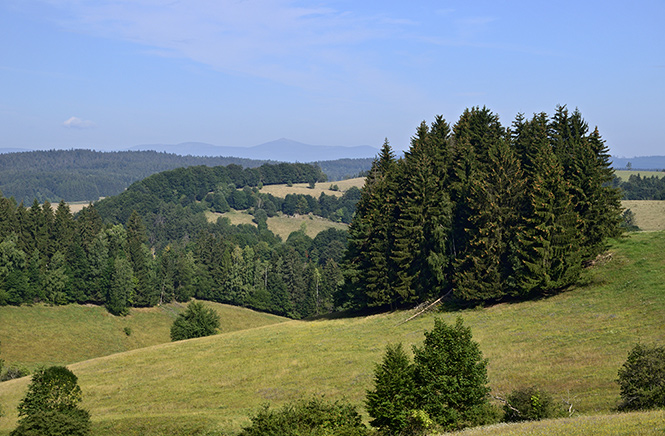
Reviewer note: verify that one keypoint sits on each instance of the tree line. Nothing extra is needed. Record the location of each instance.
(641, 188)
(480, 212)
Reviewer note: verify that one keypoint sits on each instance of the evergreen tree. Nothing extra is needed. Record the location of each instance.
(451, 376)
(393, 397)
(586, 166)
(370, 270)
(547, 247)
(424, 216)
(142, 262)
(121, 287)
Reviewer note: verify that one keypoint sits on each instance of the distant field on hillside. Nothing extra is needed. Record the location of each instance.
(649, 214)
(571, 344)
(303, 188)
(625, 174)
(44, 335)
(282, 225)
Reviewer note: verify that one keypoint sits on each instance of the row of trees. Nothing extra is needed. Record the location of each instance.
(641, 188)
(481, 211)
(87, 175)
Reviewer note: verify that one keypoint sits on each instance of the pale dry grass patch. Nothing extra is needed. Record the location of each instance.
(649, 214)
(282, 191)
(284, 225)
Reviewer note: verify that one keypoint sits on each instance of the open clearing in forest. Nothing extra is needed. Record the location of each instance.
(282, 191)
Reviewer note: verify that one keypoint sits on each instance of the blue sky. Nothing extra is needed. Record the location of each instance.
(110, 74)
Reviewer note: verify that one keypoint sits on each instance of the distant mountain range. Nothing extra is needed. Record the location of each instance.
(284, 150)
(639, 163)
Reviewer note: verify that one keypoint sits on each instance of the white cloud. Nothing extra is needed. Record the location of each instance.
(287, 41)
(78, 123)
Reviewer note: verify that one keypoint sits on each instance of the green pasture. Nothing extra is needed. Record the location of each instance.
(570, 344)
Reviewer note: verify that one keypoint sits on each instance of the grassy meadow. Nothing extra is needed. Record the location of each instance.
(649, 214)
(571, 344)
(651, 423)
(321, 187)
(40, 335)
(625, 174)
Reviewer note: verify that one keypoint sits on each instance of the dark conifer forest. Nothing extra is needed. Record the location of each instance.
(482, 213)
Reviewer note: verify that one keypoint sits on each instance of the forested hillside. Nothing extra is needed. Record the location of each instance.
(481, 212)
(87, 175)
(153, 244)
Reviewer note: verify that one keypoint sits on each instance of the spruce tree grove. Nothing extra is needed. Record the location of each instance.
(481, 212)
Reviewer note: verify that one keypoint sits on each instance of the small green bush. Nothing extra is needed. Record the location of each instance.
(127, 330)
(195, 322)
(314, 417)
(13, 372)
(50, 407)
(72, 422)
(642, 378)
(529, 404)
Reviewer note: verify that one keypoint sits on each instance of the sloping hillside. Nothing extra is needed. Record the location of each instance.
(571, 344)
(57, 335)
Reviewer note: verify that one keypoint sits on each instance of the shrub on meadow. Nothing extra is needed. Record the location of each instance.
(529, 404)
(642, 378)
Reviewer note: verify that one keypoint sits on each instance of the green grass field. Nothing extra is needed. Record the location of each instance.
(571, 344)
(650, 423)
(40, 335)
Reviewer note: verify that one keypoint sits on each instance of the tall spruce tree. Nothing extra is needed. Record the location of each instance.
(488, 205)
(424, 215)
(370, 271)
(547, 248)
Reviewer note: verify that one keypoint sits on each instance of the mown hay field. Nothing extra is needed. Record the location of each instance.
(649, 214)
(321, 187)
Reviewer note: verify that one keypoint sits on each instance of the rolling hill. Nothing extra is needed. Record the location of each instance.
(571, 344)
(282, 150)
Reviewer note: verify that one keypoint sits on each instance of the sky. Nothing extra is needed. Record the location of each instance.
(111, 74)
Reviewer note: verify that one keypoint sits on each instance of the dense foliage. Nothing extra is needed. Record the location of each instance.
(529, 404)
(87, 175)
(642, 378)
(482, 212)
(50, 407)
(195, 322)
(641, 188)
(314, 417)
(169, 253)
(447, 383)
